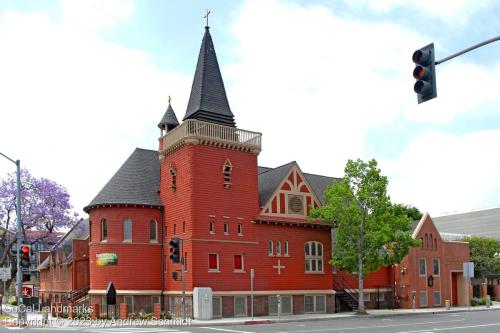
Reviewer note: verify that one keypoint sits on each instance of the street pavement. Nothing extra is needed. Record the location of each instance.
(397, 321)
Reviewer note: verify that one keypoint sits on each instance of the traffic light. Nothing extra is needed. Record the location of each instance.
(24, 263)
(425, 73)
(175, 251)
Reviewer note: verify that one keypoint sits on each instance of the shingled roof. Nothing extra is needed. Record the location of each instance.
(64, 245)
(270, 179)
(208, 100)
(169, 120)
(136, 182)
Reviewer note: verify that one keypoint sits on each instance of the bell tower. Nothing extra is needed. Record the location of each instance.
(209, 182)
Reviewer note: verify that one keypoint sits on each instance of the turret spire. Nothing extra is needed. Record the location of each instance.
(169, 120)
(208, 100)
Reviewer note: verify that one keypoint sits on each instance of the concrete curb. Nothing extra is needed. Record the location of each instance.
(301, 318)
(337, 317)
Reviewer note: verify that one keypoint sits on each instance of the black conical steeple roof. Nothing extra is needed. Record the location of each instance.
(208, 100)
(169, 120)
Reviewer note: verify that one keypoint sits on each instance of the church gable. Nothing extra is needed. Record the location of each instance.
(293, 197)
(427, 233)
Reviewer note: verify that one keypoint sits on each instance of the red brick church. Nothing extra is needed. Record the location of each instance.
(204, 186)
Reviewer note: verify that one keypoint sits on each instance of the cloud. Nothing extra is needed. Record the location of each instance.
(74, 106)
(315, 83)
(443, 172)
(456, 12)
(462, 87)
(95, 14)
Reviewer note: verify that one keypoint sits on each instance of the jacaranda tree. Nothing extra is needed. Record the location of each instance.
(45, 209)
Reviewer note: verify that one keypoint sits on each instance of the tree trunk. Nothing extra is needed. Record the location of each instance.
(361, 303)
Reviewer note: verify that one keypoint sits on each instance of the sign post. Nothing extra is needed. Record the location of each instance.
(468, 274)
(252, 274)
(4, 276)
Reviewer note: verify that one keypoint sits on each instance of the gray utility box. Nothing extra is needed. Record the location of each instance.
(202, 303)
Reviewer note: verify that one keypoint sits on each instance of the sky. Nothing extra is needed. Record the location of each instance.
(83, 83)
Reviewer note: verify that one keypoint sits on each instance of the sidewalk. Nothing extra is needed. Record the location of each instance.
(342, 315)
(60, 322)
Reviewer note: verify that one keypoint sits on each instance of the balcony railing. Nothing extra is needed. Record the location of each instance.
(199, 132)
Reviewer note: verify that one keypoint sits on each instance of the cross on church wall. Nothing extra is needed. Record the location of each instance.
(279, 267)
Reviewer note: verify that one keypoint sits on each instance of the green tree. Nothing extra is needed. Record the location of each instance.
(371, 231)
(412, 212)
(482, 253)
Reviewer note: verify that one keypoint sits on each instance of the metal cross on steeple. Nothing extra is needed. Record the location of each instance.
(169, 99)
(207, 12)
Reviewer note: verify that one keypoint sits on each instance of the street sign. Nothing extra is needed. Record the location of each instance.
(468, 270)
(5, 273)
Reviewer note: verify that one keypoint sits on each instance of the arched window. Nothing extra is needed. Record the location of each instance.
(426, 246)
(313, 252)
(278, 248)
(431, 242)
(153, 231)
(227, 168)
(270, 251)
(435, 244)
(173, 175)
(104, 230)
(127, 230)
(285, 248)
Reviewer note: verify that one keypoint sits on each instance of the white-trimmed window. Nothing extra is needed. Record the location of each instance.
(270, 250)
(278, 248)
(154, 300)
(173, 175)
(153, 231)
(422, 267)
(213, 262)
(211, 220)
(436, 269)
(437, 298)
(217, 306)
(240, 306)
(285, 248)
(423, 299)
(130, 302)
(380, 297)
(313, 252)
(314, 304)
(366, 297)
(127, 230)
(240, 229)
(104, 230)
(227, 168)
(226, 228)
(239, 263)
(286, 307)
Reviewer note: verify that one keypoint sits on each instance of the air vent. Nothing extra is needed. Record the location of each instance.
(295, 204)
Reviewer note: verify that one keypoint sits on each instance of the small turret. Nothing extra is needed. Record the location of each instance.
(169, 120)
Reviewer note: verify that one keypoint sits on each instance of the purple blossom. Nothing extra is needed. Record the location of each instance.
(45, 206)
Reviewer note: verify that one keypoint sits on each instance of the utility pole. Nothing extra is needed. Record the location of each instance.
(19, 235)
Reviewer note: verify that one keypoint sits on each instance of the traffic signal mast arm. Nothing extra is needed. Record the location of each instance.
(491, 40)
(425, 69)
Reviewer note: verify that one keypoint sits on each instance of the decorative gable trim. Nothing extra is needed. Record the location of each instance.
(293, 197)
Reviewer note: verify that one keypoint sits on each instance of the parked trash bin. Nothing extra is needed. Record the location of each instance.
(447, 304)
